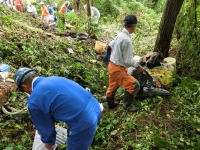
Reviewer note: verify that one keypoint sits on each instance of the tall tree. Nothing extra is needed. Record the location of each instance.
(171, 11)
(196, 19)
(76, 5)
(88, 9)
(188, 49)
(89, 16)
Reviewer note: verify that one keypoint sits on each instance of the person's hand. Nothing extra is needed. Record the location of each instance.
(49, 147)
(139, 69)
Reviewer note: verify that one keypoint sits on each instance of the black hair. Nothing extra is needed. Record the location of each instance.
(126, 25)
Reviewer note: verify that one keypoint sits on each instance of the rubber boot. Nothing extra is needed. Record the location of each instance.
(128, 99)
(111, 100)
(111, 103)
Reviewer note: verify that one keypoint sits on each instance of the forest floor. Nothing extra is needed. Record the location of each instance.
(160, 123)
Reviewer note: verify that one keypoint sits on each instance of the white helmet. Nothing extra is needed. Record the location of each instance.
(41, 3)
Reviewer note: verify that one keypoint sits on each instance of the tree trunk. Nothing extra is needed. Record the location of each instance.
(196, 19)
(171, 11)
(76, 5)
(88, 9)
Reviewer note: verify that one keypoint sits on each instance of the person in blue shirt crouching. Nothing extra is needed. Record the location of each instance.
(54, 99)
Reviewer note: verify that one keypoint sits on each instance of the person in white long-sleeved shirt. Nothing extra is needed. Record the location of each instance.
(120, 60)
(95, 14)
(31, 9)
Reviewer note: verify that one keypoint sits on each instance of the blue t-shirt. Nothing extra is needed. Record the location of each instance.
(50, 9)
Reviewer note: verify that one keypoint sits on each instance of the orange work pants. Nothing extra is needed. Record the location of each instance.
(19, 8)
(118, 77)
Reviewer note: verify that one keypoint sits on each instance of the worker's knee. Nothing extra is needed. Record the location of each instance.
(136, 87)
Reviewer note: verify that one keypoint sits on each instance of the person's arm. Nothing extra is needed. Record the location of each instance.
(44, 123)
(47, 10)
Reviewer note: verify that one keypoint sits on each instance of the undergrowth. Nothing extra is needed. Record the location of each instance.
(162, 123)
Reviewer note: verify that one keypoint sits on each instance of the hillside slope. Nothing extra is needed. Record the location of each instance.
(169, 123)
(25, 41)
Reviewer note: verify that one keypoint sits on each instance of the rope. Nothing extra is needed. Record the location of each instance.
(13, 110)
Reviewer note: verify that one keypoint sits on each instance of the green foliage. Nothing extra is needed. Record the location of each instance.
(190, 89)
(134, 7)
(188, 49)
(60, 22)
(108, 9)
(94, 28)
(160, 142)
(156, 5)
(15, 133)
(78, 21)
(161, 123)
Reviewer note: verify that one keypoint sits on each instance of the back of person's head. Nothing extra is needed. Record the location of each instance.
(130, 20)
